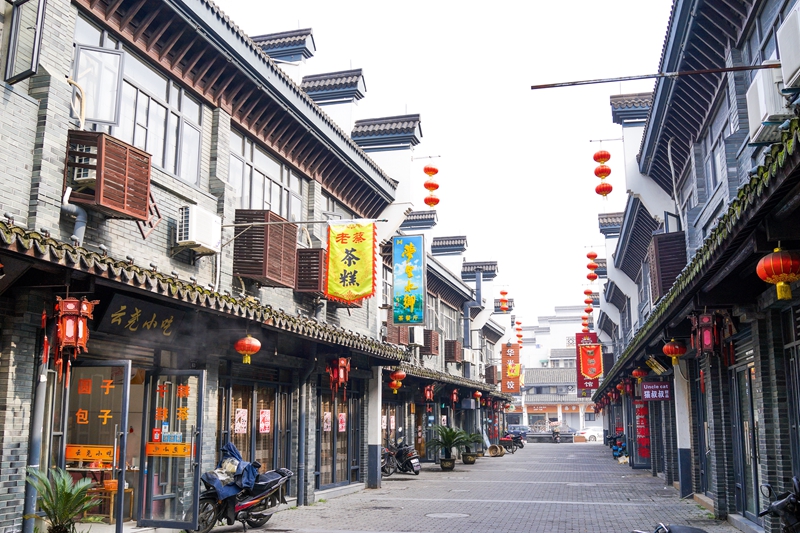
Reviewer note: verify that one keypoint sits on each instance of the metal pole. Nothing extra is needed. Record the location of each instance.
(35, 446)
(656, 75)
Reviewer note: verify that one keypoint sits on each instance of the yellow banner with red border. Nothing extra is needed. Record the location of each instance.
(351, 261)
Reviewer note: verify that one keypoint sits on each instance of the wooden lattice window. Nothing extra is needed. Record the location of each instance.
(266, 251)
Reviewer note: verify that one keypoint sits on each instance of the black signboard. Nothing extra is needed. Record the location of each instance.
(134, 318)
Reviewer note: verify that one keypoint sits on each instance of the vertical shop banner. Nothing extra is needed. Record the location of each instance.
(408, 291)
(589, 363)
(642, 429)
(264, 421)
(511, 369)
(342, 422)
(351, 261)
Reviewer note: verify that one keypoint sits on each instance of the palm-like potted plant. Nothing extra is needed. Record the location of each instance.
(468, 456)
(62, 501)
(447, 438)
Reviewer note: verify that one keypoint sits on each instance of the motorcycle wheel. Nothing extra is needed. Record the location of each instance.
(258, 522)
(389, 469)
(522, 444)
(513, 448)
(206, 515)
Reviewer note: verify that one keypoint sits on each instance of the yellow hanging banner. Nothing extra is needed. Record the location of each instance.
(351, 261)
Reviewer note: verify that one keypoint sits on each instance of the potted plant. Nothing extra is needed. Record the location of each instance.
(468, 456)
(447, 438)
(62, 501)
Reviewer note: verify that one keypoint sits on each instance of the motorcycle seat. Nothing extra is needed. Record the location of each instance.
(266, 481)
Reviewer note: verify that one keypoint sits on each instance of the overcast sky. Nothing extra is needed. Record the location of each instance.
(516, 172)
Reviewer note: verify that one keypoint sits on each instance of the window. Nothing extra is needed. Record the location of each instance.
(589, 417)
(144, 108)
(430, 312)
(262, 182)
(388, 289)
(449, 323)
(25, 39)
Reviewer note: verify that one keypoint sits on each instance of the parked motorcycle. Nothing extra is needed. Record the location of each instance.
(509, 444)
(786, 506)
(235, 491)
(517, 438)
(556, 437)
(388, 462)
(407, 458)
(673, 528)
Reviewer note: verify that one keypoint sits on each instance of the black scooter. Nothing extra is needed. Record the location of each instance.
(407, 458)
(786, 505)
(672, 528)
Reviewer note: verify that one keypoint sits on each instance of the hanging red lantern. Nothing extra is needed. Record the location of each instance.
(621, 388)
(584, 317)
(674, 349)
(592, 266)
(430, 170)
(601, 156)
(397, 375)
(585, 329)
(591, 256)
(431, 184)
(602, 171)
(395, 385)
(588, 292)
(780, 268)
(588, 301)
(477, 394)
(591, 276)
(454, 398)
(518, 323)
(639, 374)
(504, 301)
(72, 331)
(247, 346)
(431, 200)
(428, 392)
(339, 373)
(604, 189)
(589, 310)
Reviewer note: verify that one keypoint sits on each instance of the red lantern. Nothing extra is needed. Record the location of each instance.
(339, 372)
(780, 268)
(639, 374)
(247, 346)
(589, 310)
(584, 317)
(585, 329)
(518, 323)
(705, 326)
(621, 388)
(588, 301)
(454, 397)
(431, 184)
(588, 292)
(397, 375)
(431, 200)
(604, 189)
(591, 256)
(504, 301)
(430, 170)
(674, 349)
(428, 392)
(592, 266)
(477, 394)
(394, 385)
(602, 171)
(72, 328)
(591, 276)
(601, 156)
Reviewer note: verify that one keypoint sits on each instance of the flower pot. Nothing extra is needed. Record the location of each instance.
(468, 458)
(447, 464)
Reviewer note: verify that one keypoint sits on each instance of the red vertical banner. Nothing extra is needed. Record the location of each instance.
(642, 428)
(511, 369)
(589, 362)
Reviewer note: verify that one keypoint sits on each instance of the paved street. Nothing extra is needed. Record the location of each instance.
(544, 488)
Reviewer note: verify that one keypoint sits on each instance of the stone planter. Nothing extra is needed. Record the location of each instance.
(447, 464)
(468, 458)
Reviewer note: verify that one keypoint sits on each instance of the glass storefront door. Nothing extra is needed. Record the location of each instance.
(338, 437)
(171, 448)
(746, 438)
(95, 410)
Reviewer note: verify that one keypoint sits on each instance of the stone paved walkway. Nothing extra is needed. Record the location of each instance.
(548, 488)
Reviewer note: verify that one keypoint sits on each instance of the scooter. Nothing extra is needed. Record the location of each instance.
(786, 505)
(235, 491)
(518, 440)
(407, 458)
(672, 528)
(557, 437)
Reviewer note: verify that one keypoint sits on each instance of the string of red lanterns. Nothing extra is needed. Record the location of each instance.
(602, 171)
(503, 301)
(431, 185)
(396, 378)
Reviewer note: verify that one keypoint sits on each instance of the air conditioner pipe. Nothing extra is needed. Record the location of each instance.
(81, 218)
(469, 305)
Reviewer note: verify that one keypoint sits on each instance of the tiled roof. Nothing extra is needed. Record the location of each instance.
(449, 242)
(610, 223)
(38, 246)
(420, 220)
(375, 131)
(622, 101)
(551, 376)
(488, 268)
(283, 39)
(571, 397)
(343, 84)
(443, 377)
(746, 210)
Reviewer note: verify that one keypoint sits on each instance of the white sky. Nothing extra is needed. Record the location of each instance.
(516, 172)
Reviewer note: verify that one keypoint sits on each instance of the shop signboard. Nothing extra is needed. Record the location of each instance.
(140, 320)
(589, 363)
(656, 391)
(351, 261)
(408, 291)
(511, 369)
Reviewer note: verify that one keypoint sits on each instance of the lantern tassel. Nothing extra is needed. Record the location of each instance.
(784, 291)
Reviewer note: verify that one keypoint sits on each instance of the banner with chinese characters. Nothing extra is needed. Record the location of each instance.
(351, 261)
(655, 391)
(408, 265)
(589, 363)
(141, 320)
(511, 369)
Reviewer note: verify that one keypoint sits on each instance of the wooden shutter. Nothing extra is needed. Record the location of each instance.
(491, 375)
(453, 352)
(395, 333)
(667, 259)
(108, 175)
(311, 270)
(431, 343)
(265, 253)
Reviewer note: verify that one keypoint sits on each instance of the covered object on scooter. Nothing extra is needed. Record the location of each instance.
(243, 478)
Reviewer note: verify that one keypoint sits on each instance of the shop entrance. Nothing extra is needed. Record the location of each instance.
(747, 467)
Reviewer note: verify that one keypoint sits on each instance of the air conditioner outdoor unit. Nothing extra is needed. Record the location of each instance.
(199, 229)
(789, 48)
(766, 106)
(416, 336)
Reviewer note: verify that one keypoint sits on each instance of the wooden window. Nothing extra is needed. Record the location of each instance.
(108, 175)
(265, 252)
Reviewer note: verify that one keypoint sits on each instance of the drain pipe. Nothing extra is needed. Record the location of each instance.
(301, 430)
(81, 218)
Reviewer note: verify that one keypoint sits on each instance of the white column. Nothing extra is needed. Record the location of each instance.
(374, 434)
(683, 436)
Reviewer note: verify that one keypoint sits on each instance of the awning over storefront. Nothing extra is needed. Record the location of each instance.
(442, 377)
